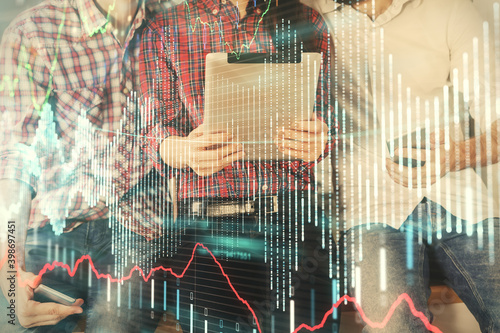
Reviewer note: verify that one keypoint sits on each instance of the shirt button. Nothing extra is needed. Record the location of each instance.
(264, 187)
(125, 91)
(258, 11)
(215, 11)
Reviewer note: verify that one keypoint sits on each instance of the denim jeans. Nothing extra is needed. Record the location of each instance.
(203, 298)
(101, 308)
(383, 262)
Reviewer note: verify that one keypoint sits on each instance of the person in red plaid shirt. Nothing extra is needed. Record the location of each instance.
(69, 150)
(273, 202)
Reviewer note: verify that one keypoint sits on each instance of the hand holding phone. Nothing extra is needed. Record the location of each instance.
(416, 140)
(438, 154)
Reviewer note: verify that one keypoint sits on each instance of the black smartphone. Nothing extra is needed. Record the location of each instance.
(416, 139)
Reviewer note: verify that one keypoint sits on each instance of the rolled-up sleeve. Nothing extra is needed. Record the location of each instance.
(22, 94)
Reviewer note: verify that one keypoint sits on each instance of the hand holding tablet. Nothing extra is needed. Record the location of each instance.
(304, 140)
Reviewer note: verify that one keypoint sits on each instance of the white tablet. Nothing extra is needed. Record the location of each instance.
(255, 95)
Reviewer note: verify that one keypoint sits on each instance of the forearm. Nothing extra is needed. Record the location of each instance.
(15, 206)
(479, 151)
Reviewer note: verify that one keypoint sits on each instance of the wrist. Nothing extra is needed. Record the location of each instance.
(173, 151)
(464, 155)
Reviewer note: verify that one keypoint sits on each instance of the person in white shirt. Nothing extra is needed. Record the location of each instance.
(422, 67)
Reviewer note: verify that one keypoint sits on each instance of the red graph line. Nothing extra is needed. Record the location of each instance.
(367, 320)
(382, 324)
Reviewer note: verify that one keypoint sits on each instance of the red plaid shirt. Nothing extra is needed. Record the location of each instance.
(173, 55)
(69, 116)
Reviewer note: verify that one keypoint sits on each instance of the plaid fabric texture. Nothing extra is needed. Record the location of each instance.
(64, 73)
(172, 62)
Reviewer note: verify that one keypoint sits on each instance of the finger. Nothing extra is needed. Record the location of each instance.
(78, 302)
(312, 126)
(197, 132)
(204, 169)
(55, 309)
(213, 155)
(417, 176)
(417, 154)
(31, 279)
(43, 320)
(299, 146)
(208, 140)
(291, 134)
(228, 160)
(438, 136)
(394, 172)
(35, 313)
(30, 292)
(228, 150)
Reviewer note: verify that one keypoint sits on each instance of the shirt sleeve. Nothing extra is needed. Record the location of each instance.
(20, 104)
(33, 149)
(165, 114)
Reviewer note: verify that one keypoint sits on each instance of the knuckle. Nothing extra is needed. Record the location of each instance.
(54, 312)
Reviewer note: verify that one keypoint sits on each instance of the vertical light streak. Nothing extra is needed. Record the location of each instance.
(108, 290)
(178, 305)
(129, 296)
(313, 310)
(152, 293)
(335, 297)
(438, 183)
(191, 325)
(409, 247)
(358, 285)
(164, 295)
(466, 93)
(89, 281)
(383, 269)
(477, 131)
(119, 295)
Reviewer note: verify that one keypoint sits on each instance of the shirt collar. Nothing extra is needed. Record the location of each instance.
(330, 5)
(94, 21)
(395, 9)
(91, 18)
(321, 6)
(158, 6)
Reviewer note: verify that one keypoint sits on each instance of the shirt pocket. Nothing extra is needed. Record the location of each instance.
(68, 105)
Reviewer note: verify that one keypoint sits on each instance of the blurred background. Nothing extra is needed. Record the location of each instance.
(9, 9)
